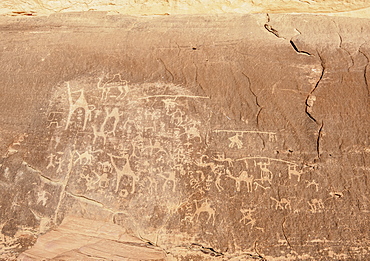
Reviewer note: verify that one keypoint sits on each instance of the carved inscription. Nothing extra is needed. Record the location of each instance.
(116, 145)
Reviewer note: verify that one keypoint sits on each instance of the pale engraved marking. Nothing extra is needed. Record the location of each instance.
(292, 170)
(42, 198)
(282, 204)
(51, 158)
(90, 184)
(86, 155)
(153, 185)
(120, 85)
(313, 183)
(241, 131)
(53, 120)
(173, 96)
(316, 205)
(204, 207)
(243, 177)
(266, 174)
(114, 113)
(81, 102)
(222, 158)
(55, 139)
(99, 133)
(235, 141)
(125, 171)
(170, 178)
(247, 216)
(13, 148)
(260, 186)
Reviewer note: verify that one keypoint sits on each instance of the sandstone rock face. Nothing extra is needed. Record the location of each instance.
(228, 137)
(359, 8)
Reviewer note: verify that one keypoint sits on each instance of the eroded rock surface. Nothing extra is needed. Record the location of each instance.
(357, 8)
(230, 137)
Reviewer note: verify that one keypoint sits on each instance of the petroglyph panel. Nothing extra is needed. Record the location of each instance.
(240, 144)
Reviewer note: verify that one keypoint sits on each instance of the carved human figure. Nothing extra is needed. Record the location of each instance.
(51, 158)
(42, 197)
(247, 216)
(266, 174)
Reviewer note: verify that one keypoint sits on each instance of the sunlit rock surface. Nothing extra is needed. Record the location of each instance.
(200, 137)
(357, 8)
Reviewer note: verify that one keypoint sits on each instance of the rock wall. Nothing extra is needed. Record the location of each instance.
(358, 8)
(209, 136)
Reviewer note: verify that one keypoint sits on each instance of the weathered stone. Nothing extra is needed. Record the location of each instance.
(356, 8)
(205, 136)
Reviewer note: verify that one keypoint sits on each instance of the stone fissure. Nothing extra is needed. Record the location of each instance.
(365, 70)
(270, 29)
(310, 97)
(319, 134)
(259, 107)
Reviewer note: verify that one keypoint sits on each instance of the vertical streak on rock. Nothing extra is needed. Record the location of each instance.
(309, 96)
(64, 185)
(256, 99)
(365, 70)
(318, 140)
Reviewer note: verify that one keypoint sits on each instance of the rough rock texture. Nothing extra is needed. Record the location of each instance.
(229, 137)
(83, 239)
(359, 8)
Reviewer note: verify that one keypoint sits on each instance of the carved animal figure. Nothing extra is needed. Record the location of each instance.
(313, 183)
(105, 169)
(171, 177)
(177, 117)
(114, 113)
(81, 102)
(169, 104)
(84, 156)
(222, 158)
(316, 205)
(119, 84)
(282, 203)
(215, 168)
(243, 177)
(205, 207)
(192, 132)
(125, 171)
(99, 133)
(292, 170)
